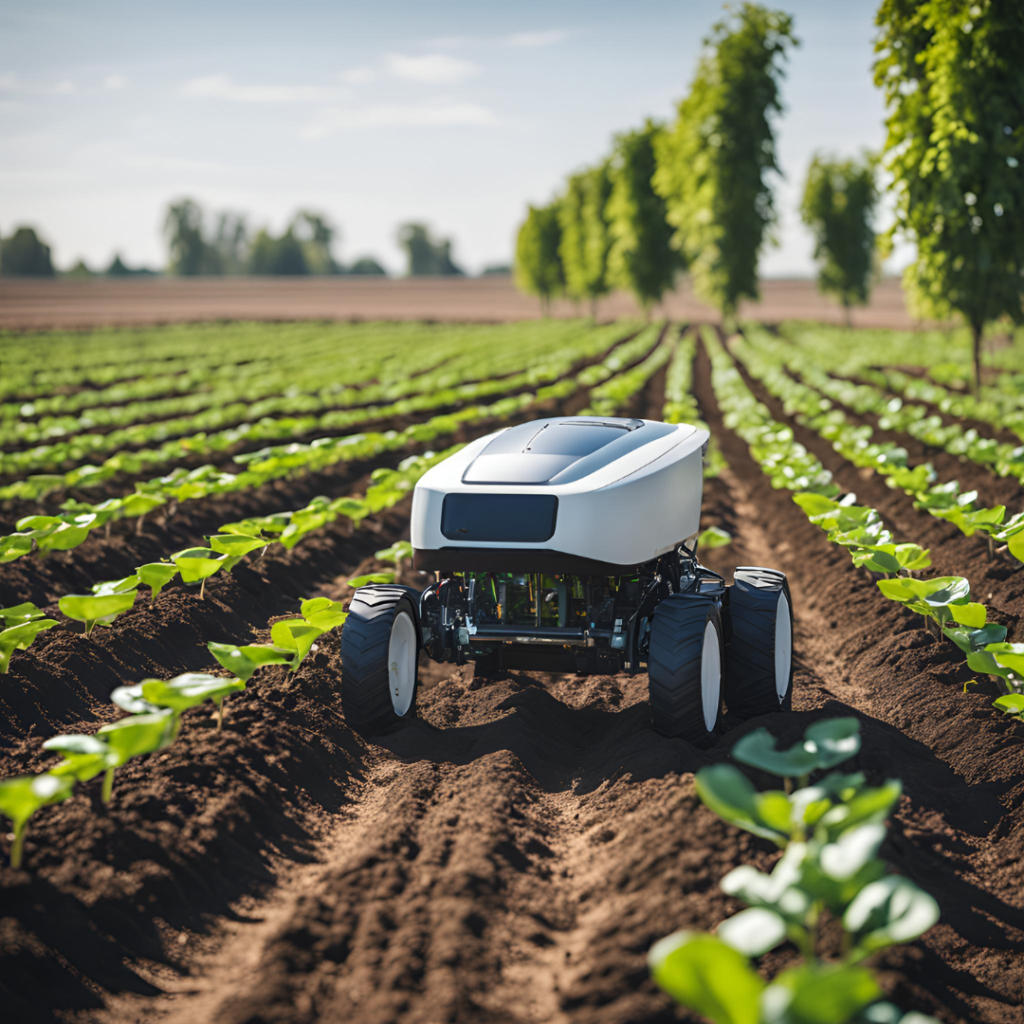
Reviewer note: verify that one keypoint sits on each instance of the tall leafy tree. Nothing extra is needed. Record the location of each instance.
(642, 258)
(538, 269)
(425, 255)
(715, 165)
(316, 234)
(586, 235)
(951, 72)
(183, 229)
(25, 254)
(838, 206)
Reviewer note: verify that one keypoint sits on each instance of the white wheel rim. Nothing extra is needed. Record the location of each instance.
(783, 646)
(711, 675)
(402, 663)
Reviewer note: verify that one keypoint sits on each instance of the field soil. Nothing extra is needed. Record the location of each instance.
(27, 304)
(508, 855)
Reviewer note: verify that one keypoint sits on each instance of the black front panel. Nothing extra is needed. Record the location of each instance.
(504, 518)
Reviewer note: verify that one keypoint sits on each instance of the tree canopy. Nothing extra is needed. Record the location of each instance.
(714, 164)
(426, 255)
(838, 206)
(586, 236)
(953, 85)
(25, 254)
(642, 258)
(538, 268)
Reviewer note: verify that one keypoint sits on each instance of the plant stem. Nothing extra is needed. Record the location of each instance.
(220, 714)
(202, 588)
(108, 785)
(19, 843)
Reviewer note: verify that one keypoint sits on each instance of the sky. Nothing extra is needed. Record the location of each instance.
(454, 113)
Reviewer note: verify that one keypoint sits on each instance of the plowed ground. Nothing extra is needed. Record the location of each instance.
(510, 854)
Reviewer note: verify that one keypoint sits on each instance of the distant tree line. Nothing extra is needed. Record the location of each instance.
(199, 245)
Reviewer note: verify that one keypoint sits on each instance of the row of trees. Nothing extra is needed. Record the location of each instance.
(691, 196)
(696, 195)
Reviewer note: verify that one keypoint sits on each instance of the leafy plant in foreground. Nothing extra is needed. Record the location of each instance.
(21, 797)
(93, 609)
(21, 624)
(830, 832)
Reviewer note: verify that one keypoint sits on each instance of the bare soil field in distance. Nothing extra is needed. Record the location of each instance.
(27, 304)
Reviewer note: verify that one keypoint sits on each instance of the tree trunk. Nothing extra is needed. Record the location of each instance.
(976, 333)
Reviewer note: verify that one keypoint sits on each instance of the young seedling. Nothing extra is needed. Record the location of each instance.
(323, 613)
(189, 691)
(22, 796)
(21, 624)
(93, 609)
(197, 565)
(236, 545)
(121, 586)
(400, 551)
(85, 757)
(156, 576)
(141, 734)
(244, 661)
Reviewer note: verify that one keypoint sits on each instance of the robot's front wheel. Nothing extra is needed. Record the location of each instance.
(379, 649)
(684, 667)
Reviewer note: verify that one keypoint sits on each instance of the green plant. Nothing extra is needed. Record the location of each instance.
(197, 565)
(85, 757)
(714, 537)
(372, 577)
(538, 266)
(21, 624)
(21, 797)
(190, 690)
(830, 832)
(93, 609)
(156, 576)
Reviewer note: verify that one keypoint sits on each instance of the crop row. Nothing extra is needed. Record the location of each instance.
(944, 601)
(804, 400)
(542, 368)
(680, 405)
(155, 708)
(363, 370)
(830, 878)
(69, 529)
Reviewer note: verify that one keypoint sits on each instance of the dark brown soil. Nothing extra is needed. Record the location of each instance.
(507, 856)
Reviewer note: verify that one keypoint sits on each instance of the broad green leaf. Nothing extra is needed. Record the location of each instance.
(93, 608)
(1011, 704)
(14, 545)
(140, 734)
(23, 795)
(708, 976)
(889, 911)
(985, 663)
(820, 994)
(868, 806)
(753, 931)
(1010, 656)
(76, 743)
(197, 564)
(156, 575)
(235, 544)
(373, 577)
(729, 793)
(401, 550)
(758, 749)
(188, 690)
(851, 851)
(294, 635)
(244, 661)
(973, 614)
(19, 638)
(129, 698)
(121, 586)
(834, 740)
(323, 613)
(19, 614)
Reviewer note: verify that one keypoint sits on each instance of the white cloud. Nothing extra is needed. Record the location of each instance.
(435, 68)
(397, 115)
(114, 82)
(547, 37)
(221, 87)
(65, 88)
(358, 76)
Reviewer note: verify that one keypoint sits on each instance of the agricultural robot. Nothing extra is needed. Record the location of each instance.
(569, 545)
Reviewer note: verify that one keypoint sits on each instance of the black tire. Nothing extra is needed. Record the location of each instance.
(752, 680)
(374, 613)
(674, 663)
